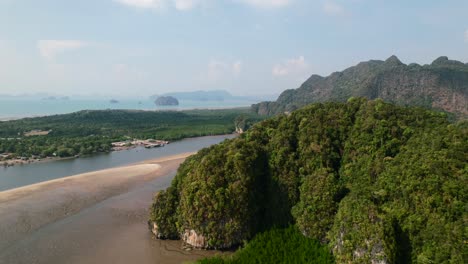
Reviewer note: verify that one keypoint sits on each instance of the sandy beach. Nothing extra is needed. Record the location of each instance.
(96, 217)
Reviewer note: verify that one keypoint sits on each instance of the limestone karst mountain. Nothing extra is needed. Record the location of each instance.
(442, 85)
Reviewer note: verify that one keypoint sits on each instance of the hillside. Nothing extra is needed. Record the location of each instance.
(442, 85)
(373, 181)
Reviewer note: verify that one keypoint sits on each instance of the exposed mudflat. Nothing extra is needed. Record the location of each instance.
(98, 217)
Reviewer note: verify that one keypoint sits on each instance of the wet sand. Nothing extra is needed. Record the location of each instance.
(97, 217)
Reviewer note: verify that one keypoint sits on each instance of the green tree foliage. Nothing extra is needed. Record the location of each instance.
(360, 234)
(278, 246)
(228, 204)
(317, 205)
(88, 132)
(375, 181)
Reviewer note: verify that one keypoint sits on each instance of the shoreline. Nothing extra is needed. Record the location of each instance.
(128, 168)
(95, 217)
(17, 161)
(23, 175)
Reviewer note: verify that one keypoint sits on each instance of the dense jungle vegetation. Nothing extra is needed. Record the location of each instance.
(372, 181)
(270, 247)
(87, 132)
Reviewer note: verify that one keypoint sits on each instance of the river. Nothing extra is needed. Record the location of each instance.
(97, 217)
(22, 175)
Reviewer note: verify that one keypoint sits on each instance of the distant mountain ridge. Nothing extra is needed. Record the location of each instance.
(441, 85)
(214, 95)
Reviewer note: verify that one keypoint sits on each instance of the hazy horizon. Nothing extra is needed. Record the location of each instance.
(248, 47)
(101, 96)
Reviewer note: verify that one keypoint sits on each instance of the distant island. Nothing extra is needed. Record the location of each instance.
(213, 95)
(54, 98)
(38, 96)
(113, 101)
(166, 101)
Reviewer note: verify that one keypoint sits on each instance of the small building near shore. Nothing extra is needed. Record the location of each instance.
(5, 155)
(37, 132)
(121, 144)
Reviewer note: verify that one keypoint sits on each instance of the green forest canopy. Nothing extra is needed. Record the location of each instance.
(373, 181)
(91, 131)
(279, 246)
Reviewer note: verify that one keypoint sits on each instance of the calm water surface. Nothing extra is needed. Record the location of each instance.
(18, 108)
(21, 175)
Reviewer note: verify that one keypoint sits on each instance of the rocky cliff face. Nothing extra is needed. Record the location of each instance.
(442, 85)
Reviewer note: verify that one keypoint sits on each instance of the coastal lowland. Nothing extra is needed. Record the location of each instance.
(94, 131)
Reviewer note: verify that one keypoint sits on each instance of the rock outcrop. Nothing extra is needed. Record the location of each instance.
(190, 237)
(193, 239)
(154, 229)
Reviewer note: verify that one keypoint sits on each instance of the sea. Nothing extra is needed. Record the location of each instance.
(13, 108)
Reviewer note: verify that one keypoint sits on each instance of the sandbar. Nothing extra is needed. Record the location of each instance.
(95, 217)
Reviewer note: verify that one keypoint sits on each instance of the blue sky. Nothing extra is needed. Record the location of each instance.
(142, 47)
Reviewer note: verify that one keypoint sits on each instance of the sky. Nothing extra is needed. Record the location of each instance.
(248, 47)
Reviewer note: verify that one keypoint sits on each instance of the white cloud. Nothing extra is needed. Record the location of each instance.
(466, 36)
(181, 5)
(143, 3)
(49, 49)
(267, 3)
(123, 71)
(120, 68)
(292, 67)
(185, 4)
(237, 67)
(218, 69)
(258, 27)
(332, 8)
